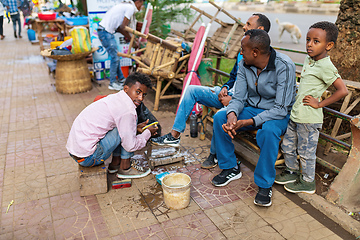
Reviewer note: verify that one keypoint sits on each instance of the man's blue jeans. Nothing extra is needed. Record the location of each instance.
(108, 41)
(16, 19)
(267, 138)
(110, 144)
(196, 94)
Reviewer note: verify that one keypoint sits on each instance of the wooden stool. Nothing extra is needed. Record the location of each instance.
(93, 180)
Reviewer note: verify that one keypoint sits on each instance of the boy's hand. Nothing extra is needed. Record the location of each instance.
(141, 125)
(311, 101)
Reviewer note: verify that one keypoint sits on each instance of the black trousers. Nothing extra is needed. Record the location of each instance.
(1, 25)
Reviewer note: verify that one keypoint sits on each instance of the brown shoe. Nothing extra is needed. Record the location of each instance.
(2, 37)
(134, 171)
(20, 36)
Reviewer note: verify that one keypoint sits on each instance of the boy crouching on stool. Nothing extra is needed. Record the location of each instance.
(306, 117)
(109, 126)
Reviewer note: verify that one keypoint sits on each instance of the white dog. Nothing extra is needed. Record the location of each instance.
(290, 28)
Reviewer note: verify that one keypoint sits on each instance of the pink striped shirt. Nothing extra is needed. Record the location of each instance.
(92, 124)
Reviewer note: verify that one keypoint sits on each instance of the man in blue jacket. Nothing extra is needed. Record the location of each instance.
(264, 94)
(217, 97)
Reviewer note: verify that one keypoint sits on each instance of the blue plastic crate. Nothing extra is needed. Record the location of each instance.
(76, 21)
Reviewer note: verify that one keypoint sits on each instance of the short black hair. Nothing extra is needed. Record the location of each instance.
(330, 29)
(259, 39)
(263, 21)
(138, 77)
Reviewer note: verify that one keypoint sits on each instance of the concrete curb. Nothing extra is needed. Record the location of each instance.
(333, 212)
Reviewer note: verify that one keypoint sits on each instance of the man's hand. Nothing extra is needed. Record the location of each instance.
(141, 125)
(230, 125)
(225, 100)
(239, 124)
(153, 129)
(243, 123)
(311, 101)
(223, 93)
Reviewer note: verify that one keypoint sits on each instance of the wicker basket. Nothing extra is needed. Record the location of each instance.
(72, 76)
(72, 73)
(70, 57)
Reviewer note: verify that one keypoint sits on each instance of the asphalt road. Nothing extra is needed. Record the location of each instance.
(303, 21)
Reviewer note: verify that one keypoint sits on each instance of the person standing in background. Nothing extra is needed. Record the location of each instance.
(13, 8)
(115, 20)
(2, 10)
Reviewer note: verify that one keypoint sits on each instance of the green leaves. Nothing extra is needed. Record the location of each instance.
(166, 12)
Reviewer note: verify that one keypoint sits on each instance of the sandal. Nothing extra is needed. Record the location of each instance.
(113, 170)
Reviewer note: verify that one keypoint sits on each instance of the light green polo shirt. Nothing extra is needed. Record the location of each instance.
(316, 77)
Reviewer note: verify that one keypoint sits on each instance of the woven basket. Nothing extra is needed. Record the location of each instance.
(72, 76)
(72, 73)
(70, 57)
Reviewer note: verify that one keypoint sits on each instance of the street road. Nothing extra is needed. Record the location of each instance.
(303, 21)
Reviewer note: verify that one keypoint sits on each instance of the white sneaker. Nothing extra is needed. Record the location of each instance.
(115, 86)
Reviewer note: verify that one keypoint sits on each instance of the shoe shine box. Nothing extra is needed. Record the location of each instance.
(121, 183)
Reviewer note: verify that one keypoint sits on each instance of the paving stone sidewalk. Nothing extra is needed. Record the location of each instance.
(37, 173)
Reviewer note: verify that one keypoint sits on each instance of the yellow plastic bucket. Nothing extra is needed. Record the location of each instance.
(176, 189)
(55, 44)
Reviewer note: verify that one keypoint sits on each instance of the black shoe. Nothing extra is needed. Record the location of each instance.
(210, 162)
(263, 197)
(226, 176)
(167, 139)
(15, 35)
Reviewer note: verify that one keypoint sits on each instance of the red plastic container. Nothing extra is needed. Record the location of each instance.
(125, 71)
(47, 16)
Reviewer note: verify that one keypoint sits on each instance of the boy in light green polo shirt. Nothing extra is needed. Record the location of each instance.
(306, 117)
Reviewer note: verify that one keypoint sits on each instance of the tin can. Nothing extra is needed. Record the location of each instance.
(107, 73)
(99, 74)
(107, 64)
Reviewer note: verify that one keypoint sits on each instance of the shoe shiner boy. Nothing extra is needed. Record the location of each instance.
(109, 126)
(306, 117)
(210, 96)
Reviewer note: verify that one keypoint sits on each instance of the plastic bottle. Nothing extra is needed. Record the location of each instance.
(193, 125)
(186, 47)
